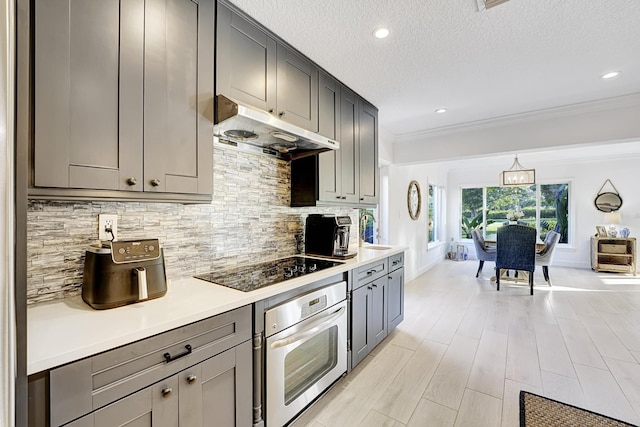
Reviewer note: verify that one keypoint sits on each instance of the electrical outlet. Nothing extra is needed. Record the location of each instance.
(104, 223)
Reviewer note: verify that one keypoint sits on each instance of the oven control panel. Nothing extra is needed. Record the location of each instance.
(303, 307)
(313, 306)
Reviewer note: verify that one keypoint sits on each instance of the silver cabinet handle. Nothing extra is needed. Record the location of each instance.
(155, 182)
(132, 181)
(281, 113)
(166, 392)
(191, 379)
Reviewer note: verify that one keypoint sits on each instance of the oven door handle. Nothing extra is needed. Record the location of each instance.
(313, 329)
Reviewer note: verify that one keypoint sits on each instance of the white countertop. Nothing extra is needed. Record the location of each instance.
(62, 331)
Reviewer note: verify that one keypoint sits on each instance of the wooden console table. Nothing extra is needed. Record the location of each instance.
(614, 254)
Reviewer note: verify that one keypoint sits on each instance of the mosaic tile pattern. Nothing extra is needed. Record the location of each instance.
(248, 220)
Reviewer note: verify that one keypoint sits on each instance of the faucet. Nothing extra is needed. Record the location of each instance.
(364, 216)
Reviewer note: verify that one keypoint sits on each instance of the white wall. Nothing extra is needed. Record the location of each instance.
(586, 178)
(385, 146)
(407, 232)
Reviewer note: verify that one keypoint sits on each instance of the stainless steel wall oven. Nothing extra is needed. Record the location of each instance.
(305, 350)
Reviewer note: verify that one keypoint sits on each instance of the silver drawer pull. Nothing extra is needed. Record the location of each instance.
(166, 392)
(169, 358)
(191, 379)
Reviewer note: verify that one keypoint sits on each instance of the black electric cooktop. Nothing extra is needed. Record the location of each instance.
(250, 277)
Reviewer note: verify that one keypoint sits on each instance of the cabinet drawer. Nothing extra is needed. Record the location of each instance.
(396, 261)
(91, 383)
(370, 272)
(613, 248)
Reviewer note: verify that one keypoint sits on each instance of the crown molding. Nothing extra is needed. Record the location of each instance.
(618, 102)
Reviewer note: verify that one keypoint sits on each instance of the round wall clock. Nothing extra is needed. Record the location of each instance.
(414, 200)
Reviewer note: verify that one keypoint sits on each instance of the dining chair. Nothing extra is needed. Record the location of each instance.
(483, 253)
(544, 258)
(516, 250)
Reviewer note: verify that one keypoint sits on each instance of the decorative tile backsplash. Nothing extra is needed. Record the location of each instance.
(248, 220)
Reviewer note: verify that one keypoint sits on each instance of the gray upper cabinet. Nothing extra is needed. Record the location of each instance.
(330, 184)
(178, 89)
(246, 61)
(123, 95)
(337, 170)
(350, 175)
(368, 153)
(253, 68)
(297, 89)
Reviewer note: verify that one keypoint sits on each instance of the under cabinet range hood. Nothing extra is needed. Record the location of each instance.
(256, 130)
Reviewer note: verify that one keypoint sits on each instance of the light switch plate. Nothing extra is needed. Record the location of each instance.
(107, 221)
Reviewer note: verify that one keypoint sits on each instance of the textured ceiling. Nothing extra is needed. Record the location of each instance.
(521, 56)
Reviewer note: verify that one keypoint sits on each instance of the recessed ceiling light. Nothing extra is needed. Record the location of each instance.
(441, 110)
(611, 75)
(381, 32)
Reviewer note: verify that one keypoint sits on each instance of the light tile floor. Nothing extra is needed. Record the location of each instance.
(465, 350)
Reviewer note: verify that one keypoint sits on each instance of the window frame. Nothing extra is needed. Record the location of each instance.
(538, 194)
(438, 223)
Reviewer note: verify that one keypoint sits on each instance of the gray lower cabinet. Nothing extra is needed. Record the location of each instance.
(395, 285)
(122, 95)
(369, 300)
(196, 375)
(254, 68)
(207, 394)
(377, 304)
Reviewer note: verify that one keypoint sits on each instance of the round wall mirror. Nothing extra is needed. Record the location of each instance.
(608, 202)
(414, 200)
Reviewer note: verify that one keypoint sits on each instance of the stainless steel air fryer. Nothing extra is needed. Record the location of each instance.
(327, 235)
(123, 272)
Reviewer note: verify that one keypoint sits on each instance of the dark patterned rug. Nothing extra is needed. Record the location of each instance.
(538, 411)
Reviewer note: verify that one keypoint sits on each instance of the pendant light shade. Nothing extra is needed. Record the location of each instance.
(517, 175)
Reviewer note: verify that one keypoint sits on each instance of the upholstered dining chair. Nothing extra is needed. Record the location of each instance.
(516, 250)
(544, 258)
(483, 253)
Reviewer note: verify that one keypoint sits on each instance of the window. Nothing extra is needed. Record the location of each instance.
(545, 207)
(434, 203)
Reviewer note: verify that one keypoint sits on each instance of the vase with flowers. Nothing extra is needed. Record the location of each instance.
(514, 215)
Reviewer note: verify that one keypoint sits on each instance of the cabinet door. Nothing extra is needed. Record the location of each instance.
(368, 153)
(360, 313)
(378, 318)
(178, 88)
(245, 61)
(349, 136)
(395, 307)
(218, 391)
(297, 89)
(329, 125)
(155, 406)
(88, 65)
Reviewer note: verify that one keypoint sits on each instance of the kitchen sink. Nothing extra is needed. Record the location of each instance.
(376, 247)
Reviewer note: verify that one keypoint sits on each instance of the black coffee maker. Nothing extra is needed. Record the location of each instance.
(327, 235)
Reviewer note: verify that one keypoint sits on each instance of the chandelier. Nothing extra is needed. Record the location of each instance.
(517, 175)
